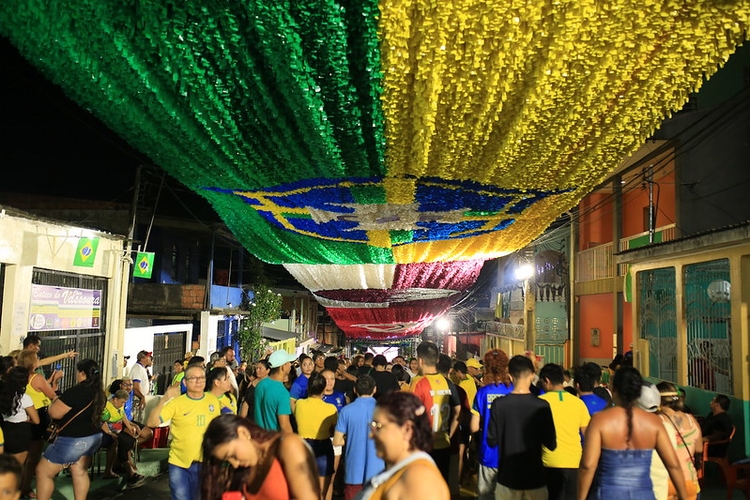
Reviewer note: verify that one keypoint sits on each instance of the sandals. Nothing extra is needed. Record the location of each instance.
(111, 476)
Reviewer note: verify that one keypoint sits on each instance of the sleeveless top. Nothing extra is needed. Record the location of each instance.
(39, 398)
(274, 487)
(623, 475)
(379, 484)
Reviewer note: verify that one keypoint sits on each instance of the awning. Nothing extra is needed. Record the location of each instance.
(276, 334)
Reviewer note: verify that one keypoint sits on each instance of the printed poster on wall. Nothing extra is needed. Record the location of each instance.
(59, 308)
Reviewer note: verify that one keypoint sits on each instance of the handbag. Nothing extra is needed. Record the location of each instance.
(54, 428)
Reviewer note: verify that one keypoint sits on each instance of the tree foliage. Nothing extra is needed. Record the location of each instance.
(265, 306)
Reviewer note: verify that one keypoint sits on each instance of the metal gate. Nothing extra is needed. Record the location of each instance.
(551, 353)
(88, 342)
(708, 318)
(658, 322)
(168, 348)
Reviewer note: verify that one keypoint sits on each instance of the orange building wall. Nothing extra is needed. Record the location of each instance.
(595, 222)
(635, 203)
(595, 312)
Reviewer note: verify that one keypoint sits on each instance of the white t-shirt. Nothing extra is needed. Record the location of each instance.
(20, 415)
(139, 374)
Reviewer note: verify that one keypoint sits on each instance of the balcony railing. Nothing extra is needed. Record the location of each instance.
(595, 263)
(599, 263)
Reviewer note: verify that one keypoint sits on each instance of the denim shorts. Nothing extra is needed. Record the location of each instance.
(323, 450)
(68, 450)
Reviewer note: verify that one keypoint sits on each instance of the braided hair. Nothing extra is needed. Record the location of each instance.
(627, 384)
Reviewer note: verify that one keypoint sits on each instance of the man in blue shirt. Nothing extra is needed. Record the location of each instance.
(587, 377)
(353, 431)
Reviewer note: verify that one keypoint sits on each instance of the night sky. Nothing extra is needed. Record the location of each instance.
(51, 145)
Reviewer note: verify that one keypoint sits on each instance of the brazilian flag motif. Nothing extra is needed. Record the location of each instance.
(86, 252)
(381, 149)
(381, 132)
(143, 265)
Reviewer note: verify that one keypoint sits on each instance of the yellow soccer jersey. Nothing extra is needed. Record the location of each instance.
(315, 418)
(570, 415)
(189, 419)
(228, 404)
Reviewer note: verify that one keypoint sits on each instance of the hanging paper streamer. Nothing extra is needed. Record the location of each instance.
(381, 132)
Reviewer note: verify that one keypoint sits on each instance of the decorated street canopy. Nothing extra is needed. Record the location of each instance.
(355, 141)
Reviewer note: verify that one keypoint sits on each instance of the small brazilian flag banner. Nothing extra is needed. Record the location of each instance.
(86, 253)
(144, 264)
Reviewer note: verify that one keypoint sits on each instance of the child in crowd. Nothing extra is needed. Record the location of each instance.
(10, 478)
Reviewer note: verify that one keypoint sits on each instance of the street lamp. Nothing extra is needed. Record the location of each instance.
(442, 324)
(525, 273)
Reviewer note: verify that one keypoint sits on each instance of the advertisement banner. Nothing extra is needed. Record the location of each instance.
(58, 308)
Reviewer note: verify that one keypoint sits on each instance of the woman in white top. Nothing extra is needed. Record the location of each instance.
(18, 413)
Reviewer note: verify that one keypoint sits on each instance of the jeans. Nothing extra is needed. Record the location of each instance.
(185, 483)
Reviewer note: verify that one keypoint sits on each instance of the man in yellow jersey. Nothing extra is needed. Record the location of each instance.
(188, 415)
(442, 404)
(571, 418)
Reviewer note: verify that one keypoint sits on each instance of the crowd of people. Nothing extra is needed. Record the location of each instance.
(362, 428)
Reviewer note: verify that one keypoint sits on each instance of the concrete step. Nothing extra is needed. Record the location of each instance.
(152, 463)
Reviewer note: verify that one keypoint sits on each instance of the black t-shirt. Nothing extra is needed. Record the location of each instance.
(716, 428)
(249, 398)
(519, 425)
(385, 382)
(77, 397)
(346, 386)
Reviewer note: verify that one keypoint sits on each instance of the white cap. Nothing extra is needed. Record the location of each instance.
(280, 357)
(650, 399)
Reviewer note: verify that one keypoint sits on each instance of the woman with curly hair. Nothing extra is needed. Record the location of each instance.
(17, 409)
(496, 385)
(240, 456)
(80, 410)
(401, 430)
(619, 444)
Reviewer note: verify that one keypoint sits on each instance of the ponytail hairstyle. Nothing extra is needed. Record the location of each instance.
(627, 384)
(90, 368)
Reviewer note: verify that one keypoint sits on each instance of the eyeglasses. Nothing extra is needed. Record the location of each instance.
(376, 426)
(195, 379)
